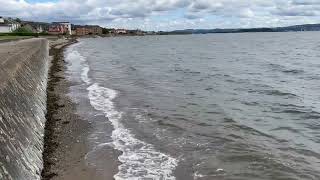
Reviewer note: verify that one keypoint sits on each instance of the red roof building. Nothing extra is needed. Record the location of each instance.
(57, 29)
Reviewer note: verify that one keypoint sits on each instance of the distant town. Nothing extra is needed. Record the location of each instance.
(16, 25)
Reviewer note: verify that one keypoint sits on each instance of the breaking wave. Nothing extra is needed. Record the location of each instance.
(139, 159)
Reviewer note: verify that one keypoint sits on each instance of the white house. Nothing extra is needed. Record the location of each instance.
(121, 31)
(8, 25)
(4, 28)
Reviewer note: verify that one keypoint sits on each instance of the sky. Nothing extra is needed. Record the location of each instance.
(167, 14)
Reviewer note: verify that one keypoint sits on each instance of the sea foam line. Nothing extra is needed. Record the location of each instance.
(139, 159)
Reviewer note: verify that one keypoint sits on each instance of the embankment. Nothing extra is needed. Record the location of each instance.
(23, 82)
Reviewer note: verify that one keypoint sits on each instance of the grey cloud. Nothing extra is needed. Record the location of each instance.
(306, 2)
(290, 12)
(298, 8)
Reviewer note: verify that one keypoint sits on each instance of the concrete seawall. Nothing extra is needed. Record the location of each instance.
(23, 81)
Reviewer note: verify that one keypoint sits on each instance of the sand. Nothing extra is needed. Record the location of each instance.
(65, 133)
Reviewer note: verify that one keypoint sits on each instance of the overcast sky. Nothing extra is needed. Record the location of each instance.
(167, 14)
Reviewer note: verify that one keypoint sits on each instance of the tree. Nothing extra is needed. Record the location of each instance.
(18, 20)
(106, 31)
(22, 30)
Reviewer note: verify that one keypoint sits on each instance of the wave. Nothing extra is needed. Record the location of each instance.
(84, 75)
(139, 159)
(293, 71)
(78, 60)
(284, 69)
(272, 92)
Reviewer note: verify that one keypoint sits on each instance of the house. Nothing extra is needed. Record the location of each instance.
(88, 30)
(39, 28)
(8, 25)
(4, 28)
(120, 31)
(67, 25)
(57, 28)
(81, 31)
(97, 30)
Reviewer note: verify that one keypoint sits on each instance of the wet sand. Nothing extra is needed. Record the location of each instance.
(66, 133)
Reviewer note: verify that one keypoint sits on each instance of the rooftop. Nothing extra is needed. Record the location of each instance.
(60, 22)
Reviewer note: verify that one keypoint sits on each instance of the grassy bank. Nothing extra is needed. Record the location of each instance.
(4, 37)
(20, 33)
(13, 37)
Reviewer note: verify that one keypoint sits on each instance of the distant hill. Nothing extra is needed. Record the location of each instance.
(304, 27)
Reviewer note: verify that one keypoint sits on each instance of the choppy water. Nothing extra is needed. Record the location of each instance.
(221, 106)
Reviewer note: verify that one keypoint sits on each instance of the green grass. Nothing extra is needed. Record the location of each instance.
(22, 30)
(13, 37)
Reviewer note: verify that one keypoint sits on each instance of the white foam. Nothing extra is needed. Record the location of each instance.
(197, 175)
(84, 75)
(75, 58)
(139, 159)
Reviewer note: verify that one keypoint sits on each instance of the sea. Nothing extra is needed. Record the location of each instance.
(243, 106)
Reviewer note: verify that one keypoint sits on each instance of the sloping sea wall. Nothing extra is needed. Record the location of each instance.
(23, 81)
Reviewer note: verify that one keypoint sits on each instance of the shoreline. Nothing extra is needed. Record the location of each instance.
(66, 143)
(65, 132)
